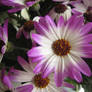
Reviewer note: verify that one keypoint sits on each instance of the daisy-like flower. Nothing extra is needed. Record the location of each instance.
(5, 83)
(18, 4)
(39, 84)
(84, 7)
(27, 28)
(3, 39)
(60, 10)
(61, 48)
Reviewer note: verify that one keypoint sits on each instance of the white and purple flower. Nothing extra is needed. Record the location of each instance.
(3, 39)
(61, 48)
(26, 29)
(18, 4)
(38, 84)
(60, 10)
(84, 7)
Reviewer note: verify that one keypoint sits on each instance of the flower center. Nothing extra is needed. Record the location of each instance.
(1, 45)
(88, 14)
(40, 82)
(60, 8)
(8, 91)
(28, 26)
(61, 47)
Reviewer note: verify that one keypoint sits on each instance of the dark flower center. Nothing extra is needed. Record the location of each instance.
(88, 14)
(1, 44)
(61, 47)
(40, 82)
(60, 8)
(8, 91)
(28, 26)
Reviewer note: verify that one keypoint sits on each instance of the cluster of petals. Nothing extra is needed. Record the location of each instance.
(82, 6)
(3, 39)
(27, 79)
(5, 82)
(65, 58)
(18, 4)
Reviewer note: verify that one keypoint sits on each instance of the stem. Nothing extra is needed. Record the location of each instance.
(77, 88)
(24, 49)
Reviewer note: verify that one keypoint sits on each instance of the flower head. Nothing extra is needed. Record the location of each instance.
(26, 29)
(84, 7)
(3, 39)
(18, 4)
(60, 10)
(61, 48)
(36, 81)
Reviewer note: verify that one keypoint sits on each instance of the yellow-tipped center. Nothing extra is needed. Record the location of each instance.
(40, 82)
(61, 47)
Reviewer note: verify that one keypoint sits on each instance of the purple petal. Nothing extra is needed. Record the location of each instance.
(7, 81)
(25, 88)
(86, 28)
(35, 52)
(24, 64)
(39, 67)
(60, 22)
(30, 3)
(77, 75)
(40, 28)
(65, 84)
(16, 9)
(84, 68)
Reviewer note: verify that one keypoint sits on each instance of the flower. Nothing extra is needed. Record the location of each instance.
(5, 85)
(60, 10)
(27, 28)
(84, 7)
(3, 39)
(61, 48)
(38, 83)
(18, 5)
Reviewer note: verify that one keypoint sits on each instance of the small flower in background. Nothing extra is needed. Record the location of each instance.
(84, 7)
(18, 5)
(5, 82)
(27, 28)
(3, 39)
(60, 10)
(61, 48)
(36, 81)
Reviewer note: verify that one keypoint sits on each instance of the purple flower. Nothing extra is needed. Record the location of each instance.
(61, 48)
(5, 85)
(3, 39)
(26, 29)
(18, 4)
(36, 82)
(60, 10)
(84, 7)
